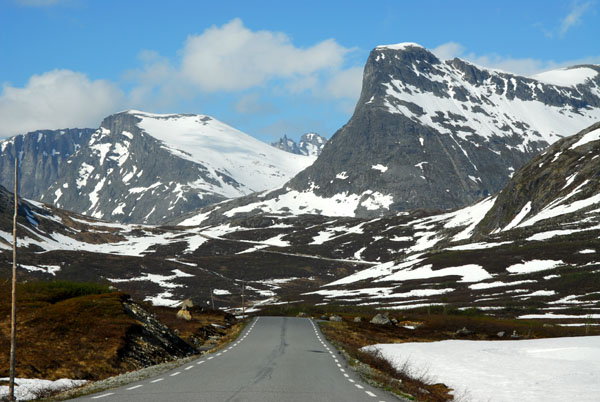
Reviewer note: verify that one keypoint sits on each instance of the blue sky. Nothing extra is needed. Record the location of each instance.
(268, 68)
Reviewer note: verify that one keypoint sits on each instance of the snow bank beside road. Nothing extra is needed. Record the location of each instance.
(558, 369)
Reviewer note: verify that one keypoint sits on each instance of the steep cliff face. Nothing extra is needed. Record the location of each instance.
(42, 155)
(442, 134)
(434, 134)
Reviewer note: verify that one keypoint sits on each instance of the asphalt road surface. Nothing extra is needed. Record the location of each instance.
(275, 359)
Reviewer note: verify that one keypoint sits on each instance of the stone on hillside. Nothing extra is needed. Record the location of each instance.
(301, 314)
(325, 318)
(186, 304)
(184, 314)
(464, 332)
(380, 319)
(357, 319)
(515, 335)
(501, 334)
(335, 318)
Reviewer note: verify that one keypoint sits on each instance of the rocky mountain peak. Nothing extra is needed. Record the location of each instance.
(310, 144)
(435, 134)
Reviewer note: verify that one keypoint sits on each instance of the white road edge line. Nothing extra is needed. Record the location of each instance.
(103, 395)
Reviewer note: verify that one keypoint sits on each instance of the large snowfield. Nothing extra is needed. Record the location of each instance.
(557, 369)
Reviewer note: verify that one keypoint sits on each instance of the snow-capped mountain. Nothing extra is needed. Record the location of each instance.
(496, 255)
(311, 144)
(148, 168)
(429, 133)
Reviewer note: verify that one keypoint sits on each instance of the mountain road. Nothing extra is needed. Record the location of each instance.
(275, 359)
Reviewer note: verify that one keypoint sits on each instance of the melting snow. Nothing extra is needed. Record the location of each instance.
(533, 266)
(589, 137)
(553, 370)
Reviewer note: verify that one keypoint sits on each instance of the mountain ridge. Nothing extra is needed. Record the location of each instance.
(428, 133)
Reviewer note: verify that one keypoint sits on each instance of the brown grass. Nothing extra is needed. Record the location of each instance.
(78, 337)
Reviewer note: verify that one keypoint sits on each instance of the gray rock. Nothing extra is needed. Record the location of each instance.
(515, 335)
(380, 319)
(464, 332)
(501, 334)
(357, 319)
(335, 318)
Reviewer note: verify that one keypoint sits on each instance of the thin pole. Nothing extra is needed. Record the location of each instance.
(212, 299)
(13, 312)
(243, 304)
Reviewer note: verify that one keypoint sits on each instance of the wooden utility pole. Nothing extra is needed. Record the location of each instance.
(212, 299)
(243, 304)
(13, 312)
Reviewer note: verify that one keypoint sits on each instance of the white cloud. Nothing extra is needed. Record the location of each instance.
(448, 50)
(524, 66)
(232, 58)
(574, 17)
(345, 84)
(57, 99)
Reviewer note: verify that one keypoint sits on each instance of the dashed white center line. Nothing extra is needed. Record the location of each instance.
(189, 367)
(134, 387)
(200, 362)
(219, 354)
(176, 373)
(157, 380)
(103, 395)
(210, 358)
(346, 375)
(350, 379)
(370, 394)
(359, 386)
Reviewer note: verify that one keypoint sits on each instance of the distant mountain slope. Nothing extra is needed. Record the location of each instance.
(565, 179)
(147, 168)
(549, 268)
(490, 255)
(435, 134)
(311, 144)
(42, 155)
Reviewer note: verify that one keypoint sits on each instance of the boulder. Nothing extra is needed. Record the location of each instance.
(335, 318)
(184, 314)
(501, 334)
(357, 319)
(380, 319)
(464, 332)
